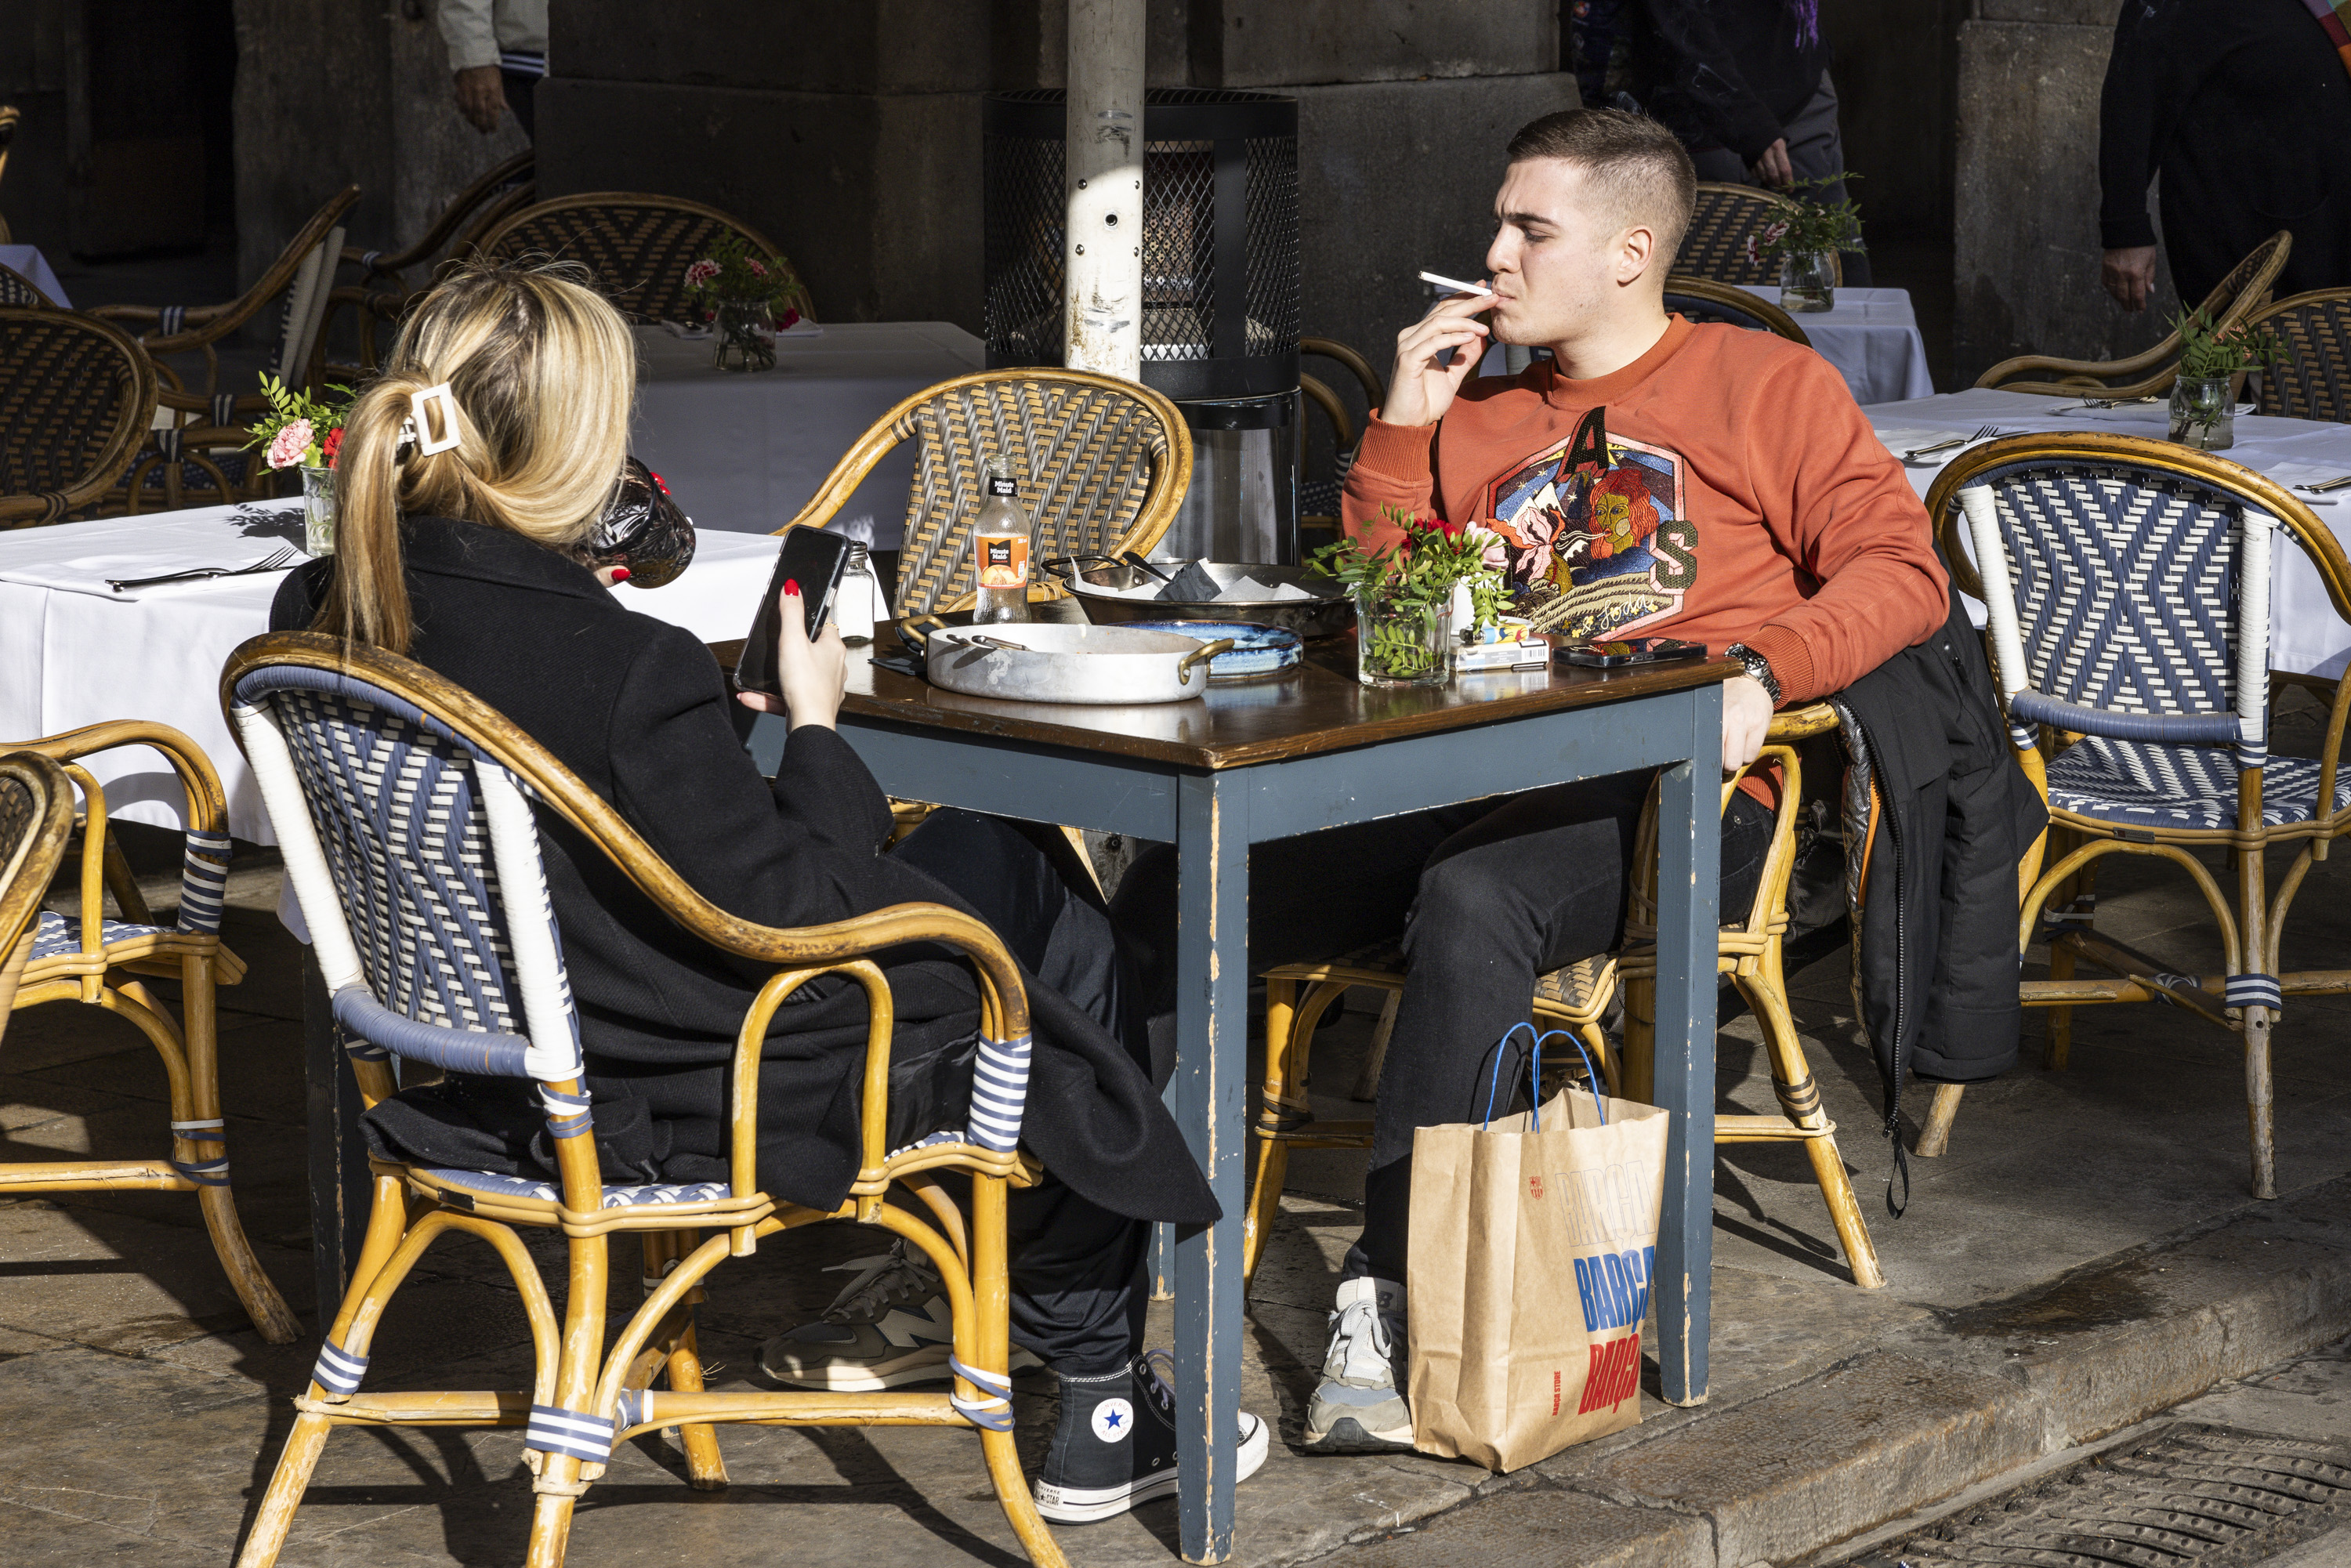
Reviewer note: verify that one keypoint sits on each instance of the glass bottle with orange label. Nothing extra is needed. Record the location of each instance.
(1001, 548)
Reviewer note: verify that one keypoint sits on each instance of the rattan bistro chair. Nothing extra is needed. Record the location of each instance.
(2243, 291)
(76, 398)
(18, 292)
(302, 273)
(37, 818)
(2316, 384)
(1102, 464)
(2128, 585)
(404, 807)
(1721, 221)
(1703, 300)
(638, 246)
(1576, 998)
(95, 960)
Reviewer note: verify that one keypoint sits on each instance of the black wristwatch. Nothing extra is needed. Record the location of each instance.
(1759, 668)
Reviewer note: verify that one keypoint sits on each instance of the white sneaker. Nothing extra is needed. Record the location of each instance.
(1359, 1407)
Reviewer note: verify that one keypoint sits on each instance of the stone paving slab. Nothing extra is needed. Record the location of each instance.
(2083, 1254)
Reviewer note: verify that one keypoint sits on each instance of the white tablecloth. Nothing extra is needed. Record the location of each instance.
(34, 268)
(745, 451)
(70, 658)
(1872, 338)
(2306, 635)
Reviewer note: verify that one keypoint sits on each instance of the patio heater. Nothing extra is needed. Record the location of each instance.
(1220, 291)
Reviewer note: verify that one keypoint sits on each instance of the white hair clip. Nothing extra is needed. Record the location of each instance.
(418, 426)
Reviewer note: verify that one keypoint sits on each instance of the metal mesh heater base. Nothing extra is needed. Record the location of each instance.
(1221, 277)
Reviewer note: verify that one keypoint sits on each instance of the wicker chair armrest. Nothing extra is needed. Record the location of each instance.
(1802, 723)
(860, 460)
(207, 803)
(2099, 371)
(1376, 390)
(1343, 428)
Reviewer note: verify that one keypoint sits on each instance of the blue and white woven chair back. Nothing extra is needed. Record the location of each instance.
(2131, 605)
(416, 860)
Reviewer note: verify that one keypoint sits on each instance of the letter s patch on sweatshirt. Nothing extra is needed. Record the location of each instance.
(1598, 541)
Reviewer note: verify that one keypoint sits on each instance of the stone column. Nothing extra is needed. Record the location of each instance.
(2027, 218)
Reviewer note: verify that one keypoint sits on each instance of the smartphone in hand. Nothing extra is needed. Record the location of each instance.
(813, 559)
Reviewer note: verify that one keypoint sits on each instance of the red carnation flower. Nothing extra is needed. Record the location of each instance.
(334, 443)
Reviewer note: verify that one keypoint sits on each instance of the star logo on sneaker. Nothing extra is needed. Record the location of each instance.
(1113, 1419)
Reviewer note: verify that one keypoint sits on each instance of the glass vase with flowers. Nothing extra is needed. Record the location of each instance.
(304, 431)
(2203, 398)
(741, 288)
(1405, 592)
(1806, 235)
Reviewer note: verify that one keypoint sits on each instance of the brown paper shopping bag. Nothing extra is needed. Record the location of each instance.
(1528, 1277)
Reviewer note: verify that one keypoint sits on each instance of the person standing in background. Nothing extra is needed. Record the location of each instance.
(498, 48)
(1744, 84)
(2243, 107)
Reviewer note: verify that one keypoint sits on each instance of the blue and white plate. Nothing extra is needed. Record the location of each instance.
(1256, 650)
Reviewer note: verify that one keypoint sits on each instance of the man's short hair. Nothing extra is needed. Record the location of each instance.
(1636, 164)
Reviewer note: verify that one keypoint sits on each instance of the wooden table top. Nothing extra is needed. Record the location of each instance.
(1317, 707)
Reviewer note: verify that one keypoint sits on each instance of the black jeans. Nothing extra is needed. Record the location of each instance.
(1076, 1268)
(1488, 897)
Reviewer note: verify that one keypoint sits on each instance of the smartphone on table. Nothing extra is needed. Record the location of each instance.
(813, 559)
(1618, 655)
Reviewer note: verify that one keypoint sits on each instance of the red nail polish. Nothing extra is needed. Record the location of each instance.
(792, 586)
(621, 574)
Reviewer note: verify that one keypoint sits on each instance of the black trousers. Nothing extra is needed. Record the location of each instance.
(1076, 1268)
(1488, 897)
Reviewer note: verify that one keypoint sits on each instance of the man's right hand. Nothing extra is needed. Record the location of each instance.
(481, 97)
(2130, 276)
(1421, 387)
(1773, 168)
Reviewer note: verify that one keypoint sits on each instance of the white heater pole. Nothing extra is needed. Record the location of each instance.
(1102, 251)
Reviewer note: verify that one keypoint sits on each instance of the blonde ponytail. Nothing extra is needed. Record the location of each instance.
(542, 372)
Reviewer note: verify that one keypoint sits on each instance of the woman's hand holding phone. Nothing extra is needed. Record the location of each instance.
(813, 676)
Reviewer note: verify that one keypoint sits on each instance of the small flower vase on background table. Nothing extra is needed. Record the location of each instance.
(746, 331)
(1807, 281)
(1402, 642)
(2204, 413)
(318, 511)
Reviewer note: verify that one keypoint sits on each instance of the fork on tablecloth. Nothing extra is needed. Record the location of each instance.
(1988, 433)
(277, 560)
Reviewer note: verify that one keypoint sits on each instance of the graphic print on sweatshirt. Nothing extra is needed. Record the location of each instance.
(1597, 542)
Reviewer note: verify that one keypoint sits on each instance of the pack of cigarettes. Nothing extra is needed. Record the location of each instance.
(1517, 648)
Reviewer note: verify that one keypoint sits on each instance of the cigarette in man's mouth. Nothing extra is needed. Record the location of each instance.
(1454, 284)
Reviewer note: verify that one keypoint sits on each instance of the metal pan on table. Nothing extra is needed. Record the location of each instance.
(1048, 661)
(1101, 585)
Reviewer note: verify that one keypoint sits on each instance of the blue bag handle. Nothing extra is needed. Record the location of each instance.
(1494, 1078)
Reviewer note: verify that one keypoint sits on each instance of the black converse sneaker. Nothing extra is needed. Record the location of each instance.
(890, 1326)
(1116, 1446)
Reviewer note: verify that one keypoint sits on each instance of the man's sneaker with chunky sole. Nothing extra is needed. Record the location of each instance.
(890, 1327)
(1359, 1406)
(1116, 1446)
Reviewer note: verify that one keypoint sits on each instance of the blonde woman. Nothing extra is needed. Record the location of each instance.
(466, 559)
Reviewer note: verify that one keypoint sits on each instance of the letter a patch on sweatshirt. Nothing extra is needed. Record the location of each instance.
(1598, 541)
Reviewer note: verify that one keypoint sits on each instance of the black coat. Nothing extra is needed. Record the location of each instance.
(1935, 892)
(2244, 108)
(638, 709)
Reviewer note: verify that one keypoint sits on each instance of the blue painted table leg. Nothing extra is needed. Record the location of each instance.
(1690, 860)
(1211, 1071)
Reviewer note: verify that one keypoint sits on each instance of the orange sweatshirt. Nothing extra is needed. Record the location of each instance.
(1723, 489)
